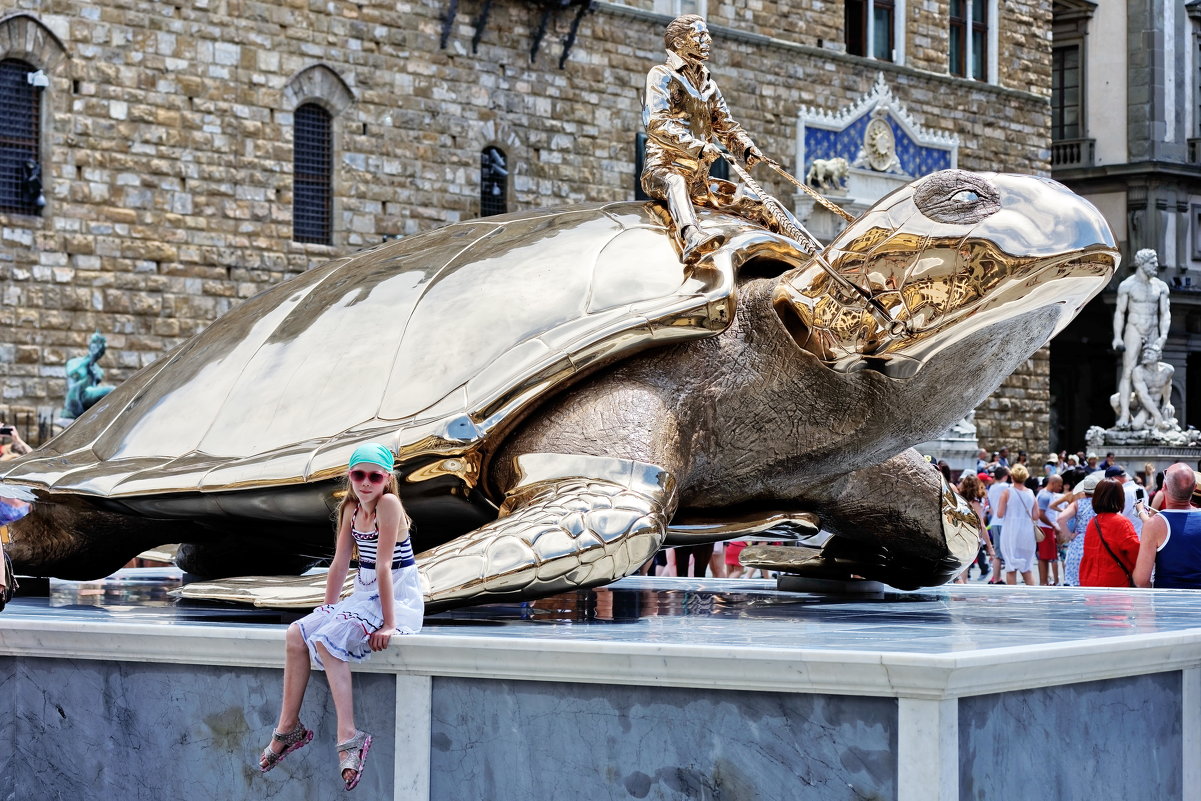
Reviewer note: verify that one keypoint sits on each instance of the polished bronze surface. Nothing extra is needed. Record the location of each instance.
(565, 394)
(474, 323)
(954, 250)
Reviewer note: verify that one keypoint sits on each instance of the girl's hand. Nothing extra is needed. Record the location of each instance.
(380, 638)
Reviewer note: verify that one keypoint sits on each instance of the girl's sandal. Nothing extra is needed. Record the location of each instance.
(299, 737)
(355, 759)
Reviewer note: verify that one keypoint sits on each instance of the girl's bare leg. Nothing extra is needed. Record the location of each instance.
(296, 679)
(337, 673)
(1011, 577)
(1042, 571)
(1028, 577)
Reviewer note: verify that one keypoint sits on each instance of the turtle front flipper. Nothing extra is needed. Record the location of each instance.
(567, 522)
(898, 522)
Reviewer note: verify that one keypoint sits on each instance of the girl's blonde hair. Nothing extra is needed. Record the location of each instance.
(1019, 473)
(349, 499)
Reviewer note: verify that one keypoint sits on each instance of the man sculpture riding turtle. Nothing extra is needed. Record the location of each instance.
(683, 113)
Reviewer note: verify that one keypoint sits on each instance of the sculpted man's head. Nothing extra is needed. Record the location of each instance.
(1147, 261)
(1151, 354)
(688, 37)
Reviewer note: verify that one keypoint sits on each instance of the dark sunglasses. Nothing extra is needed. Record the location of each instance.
(373, 477)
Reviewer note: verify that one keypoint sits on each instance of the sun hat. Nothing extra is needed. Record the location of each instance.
(373, 453)
(1089, 484)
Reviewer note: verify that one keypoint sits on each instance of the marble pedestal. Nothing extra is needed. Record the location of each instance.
(1133, 457)
(650, 689)
(958, 452)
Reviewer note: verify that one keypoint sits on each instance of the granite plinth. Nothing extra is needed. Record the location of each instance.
(1133, 457)
(648, 689)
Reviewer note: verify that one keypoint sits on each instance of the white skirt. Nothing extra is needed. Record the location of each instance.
(343, 628)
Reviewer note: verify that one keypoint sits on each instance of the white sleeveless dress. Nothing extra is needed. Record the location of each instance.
(1018, 545)
(343, 628)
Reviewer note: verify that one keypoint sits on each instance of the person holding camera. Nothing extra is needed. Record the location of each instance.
(1171, 542)
(11, 509)
(15, 446)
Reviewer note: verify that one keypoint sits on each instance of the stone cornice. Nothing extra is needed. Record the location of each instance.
(859, 62)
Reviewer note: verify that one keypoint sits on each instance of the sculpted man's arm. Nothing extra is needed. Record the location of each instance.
(659, 118)
(1165, 315)
(728, 131)
(1119, 317)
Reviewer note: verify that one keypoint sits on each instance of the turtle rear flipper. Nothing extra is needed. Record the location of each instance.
(567, 523)
(898, 523)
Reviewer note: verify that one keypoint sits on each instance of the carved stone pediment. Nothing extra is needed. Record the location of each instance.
(883, 145)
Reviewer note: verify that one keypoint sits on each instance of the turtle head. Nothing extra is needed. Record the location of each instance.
(943, 257)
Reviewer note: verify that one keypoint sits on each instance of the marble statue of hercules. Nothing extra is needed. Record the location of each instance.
(1140, 320)
(684, 112)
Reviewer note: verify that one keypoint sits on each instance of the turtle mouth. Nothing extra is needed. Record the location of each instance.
(1093, 262)
(929, 313)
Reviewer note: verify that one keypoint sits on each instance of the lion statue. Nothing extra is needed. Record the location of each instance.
(828, 174)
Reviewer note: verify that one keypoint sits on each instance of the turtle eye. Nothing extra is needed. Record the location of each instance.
(957, 197)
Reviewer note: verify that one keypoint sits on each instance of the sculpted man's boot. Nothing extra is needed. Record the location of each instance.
(697, 242)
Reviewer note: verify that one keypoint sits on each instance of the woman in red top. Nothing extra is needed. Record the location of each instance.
(1100, 568)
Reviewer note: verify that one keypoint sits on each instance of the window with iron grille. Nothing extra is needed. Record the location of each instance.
(20, 129)
(312, 175)
(494, 182)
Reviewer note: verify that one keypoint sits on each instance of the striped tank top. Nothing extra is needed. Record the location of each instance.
(368, 541)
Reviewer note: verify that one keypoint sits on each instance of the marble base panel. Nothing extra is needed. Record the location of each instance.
(73, 729)
(1081, 742)
(526, 739)
(662, 689)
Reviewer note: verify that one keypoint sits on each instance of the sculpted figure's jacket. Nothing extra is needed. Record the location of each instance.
(680, 118)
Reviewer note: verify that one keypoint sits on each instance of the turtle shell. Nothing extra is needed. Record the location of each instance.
(434, 345)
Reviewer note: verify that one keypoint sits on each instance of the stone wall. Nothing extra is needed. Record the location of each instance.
(1017, 416)
(167, 139)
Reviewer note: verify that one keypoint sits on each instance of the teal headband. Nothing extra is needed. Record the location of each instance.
(373, 453)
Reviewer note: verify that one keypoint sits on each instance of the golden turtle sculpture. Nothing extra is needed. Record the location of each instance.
(565, 396)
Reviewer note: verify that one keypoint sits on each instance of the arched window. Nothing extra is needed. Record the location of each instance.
(494, 182)
(312, 174)
(20, 130)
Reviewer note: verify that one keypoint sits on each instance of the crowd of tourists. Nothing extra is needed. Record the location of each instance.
(1085, 521)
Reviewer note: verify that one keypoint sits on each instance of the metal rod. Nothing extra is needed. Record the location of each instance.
(824, 202)
(810, 244)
